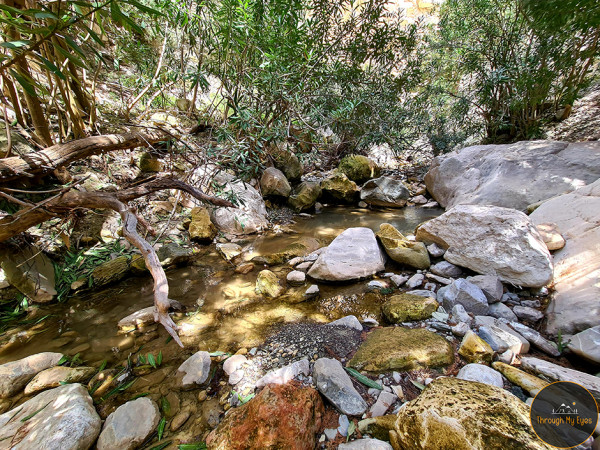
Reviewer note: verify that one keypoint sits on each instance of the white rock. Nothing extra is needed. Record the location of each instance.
(385, 191)
(398, 280)
(587, 344)
(501, 340)
(480, 373)
(383, 403)
(415, 281)
(435, 250)
(16, 374)
(195, 370)
(558, 373)
(138, 319)
(296, 278)
(285, 374)
(536, 339)
(365, 444)
(348, 321)
(312, 291)
(233, 363)
(446, 269)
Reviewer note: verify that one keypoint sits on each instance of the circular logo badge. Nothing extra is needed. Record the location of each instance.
(564, 414)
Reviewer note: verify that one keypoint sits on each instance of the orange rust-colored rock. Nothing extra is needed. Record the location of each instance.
(281, 416)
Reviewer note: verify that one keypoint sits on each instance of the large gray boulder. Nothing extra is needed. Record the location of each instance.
(64, 419)
(16, 374)
(491, 241)
(354, 254)
(513, 175)
(385, 191)
(273, 183)
(462, 292)
(575, 304)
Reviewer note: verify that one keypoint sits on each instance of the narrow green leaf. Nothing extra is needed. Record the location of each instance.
(144, 8)
(24, 83)
(417, 384)
(351, 430)
(74, 59)
(198, 446)
(161, 446)
(161, 427)
(55, 70)
(159, 358)
(15, 44)
(151, 360)
(363, 379)
(26, 418)
(74, 46)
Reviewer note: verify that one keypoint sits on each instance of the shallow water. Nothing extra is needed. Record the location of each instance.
(231, 315)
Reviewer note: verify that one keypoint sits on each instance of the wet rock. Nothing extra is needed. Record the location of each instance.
(55, 376)
(267, 284)
(384, 401)
(194, 371)
(490, 285)
(386, 192)
(454, 413)
(354, 254)
(111, 271)
(273, 183)
(551, 236)
(527, 313)
(62, 418)
(435, 250)
(409, 253)
(358, 168)
(296, 278)
(407, 307)
(130, 425)
(244, 268)
(201, 228)
(365, 444)
(397, 348)
(418, 200)
(312, 291)
(348, 321)
(338, 188)
(301, 247)
(587, 344)
(138, 319)
(536, 339)
(415, 281)
(229, 250)
(555, 372)
(481, 374)
(30, 271)
(285, 374)
(501, 340)
(446, 269)
(398, 280)
(335, 384)
(179, 420)
(462, 292)
(524, 380)
(16, 374)
(473, 349)
(469, 232)
(501, 311)
(258, 423)
(305, 195)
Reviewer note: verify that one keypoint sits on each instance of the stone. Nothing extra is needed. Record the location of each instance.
(16, 374)
(111, 271)
(551, 236)
(459, 313)
(512, 175)
(473, 349)
(348, 321)
(338, 188)
(258, 423)
(455, 414)
(491, 241)
(267, 284)
(244, 268)
(273, 183)
(422, 293)
(406, 307)
(481, 374)
(587, 344)
(285, 374)
(501, 311)
(524, 380)
(201, 228)
(296, 278)
(460, 329)
(250, 215)
(490, 285)
(536, 339)
(415, 281)
(555, 372)
(55, 376)
(62, 418)
(179, 420)
(229, 250)
(305, 195)
(384, 401)
(234, 363)
(358, 168)
(401, 250)
(385, 192)
(365, 444)
(30, 271)
(376, 285)
(500, 340)
(335, 384)
(149, 163)
(446, 269)
(438, 279)
(575, 302)
(195, 370)
(398, 348)
(398, 280)
(138, 319)
(286, 161)
(462, 292)
(527, 313)
(419, 200)
(301, 247)
(435, 250)
(129, 425)
(312, 291)
(354, 254)
(173, 255)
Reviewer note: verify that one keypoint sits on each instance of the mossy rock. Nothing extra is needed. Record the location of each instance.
(463, 415)
(301, 248)
(401, 250)
(338, 188)
(201, 228)
(407, 307)
(305, 195)
(149, 164)
(111, 271)
(286, 161)
(378, 427)
(267, 284)
(397, 348)
(473, 349)
(359, 168)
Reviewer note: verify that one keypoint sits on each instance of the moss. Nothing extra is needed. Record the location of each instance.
(475, 350)
(267, 284)
(305, 196)
(287, 162)
(339, 188)
(359, 168)
(111, 271)
(378, 427)
(406, 307)
(301, 248)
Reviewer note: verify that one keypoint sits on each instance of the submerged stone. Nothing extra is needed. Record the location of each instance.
(407, 307)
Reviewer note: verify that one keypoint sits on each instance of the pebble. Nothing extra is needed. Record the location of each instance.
(415, 281)
(398, 280)
(527, 313)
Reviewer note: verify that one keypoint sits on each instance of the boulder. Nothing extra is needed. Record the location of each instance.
(409, 253)
(524, 380)
(474, 349)
(398, 348)
(338, 188)
(455, 414)
(408, 307)
(229, 250)
(138, 319)
(491, 241)
(194, 371)
(462, 292)
(348, 321)
(513, 175)
(16, 374)
(30, 271)
(267, 284)
(201, 228)
(353, 255)
(587, 344)
(285, 374)
(305, 195)
(575, 303)
(129, 425)
(358, 168)
(56, 376)
(551, 236)
(286, 161)
(302, 247)
(335, 384)
(481, 374)
(258, 423)
(63, 418)
(490, 285)
(273, 183)
(386, 192)
(446, 269)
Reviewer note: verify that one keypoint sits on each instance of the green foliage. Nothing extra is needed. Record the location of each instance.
(363, 379)
(12, 312)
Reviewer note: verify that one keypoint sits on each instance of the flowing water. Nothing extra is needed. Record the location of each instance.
(223, 312)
